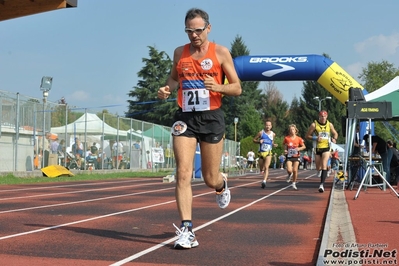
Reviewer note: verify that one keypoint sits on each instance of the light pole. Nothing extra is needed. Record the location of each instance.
(235, 128)
(62, 102)
(235, 135)
(320, 100)
(45, 86)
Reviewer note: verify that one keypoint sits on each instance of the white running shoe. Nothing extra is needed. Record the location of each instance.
(186, 238)
(294, 186)
(263, 185)
(223, 197)
(321, 188)
(289, 178)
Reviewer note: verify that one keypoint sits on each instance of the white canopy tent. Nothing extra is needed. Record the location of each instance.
(89, 124)
(89, 128)
(337, 147)
(390, 93)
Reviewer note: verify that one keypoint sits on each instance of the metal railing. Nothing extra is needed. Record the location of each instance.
(29, 125)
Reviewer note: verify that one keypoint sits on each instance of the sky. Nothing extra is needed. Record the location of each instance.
(94, 51)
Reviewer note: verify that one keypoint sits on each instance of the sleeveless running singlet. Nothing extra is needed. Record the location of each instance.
(293, 145)
(323, 131)
(192, 95)
(267, 143)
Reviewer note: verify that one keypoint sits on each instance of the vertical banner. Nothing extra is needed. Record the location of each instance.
(157, 155)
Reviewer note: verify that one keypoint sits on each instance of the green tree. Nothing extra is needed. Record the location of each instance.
(275, 109)
(373, 77)
(245, 107)
(251, 122)
(376, 75)
(145, 104)
(295, 115)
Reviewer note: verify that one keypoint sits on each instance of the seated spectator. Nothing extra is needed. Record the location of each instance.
(94, 149)
(306, 160)
(394, 163)
(77, 148)
(136, 145)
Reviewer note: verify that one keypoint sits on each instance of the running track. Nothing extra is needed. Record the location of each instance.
(129, 222)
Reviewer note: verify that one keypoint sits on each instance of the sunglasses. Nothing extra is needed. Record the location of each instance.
(196, 31)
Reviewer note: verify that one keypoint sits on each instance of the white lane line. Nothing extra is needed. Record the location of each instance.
(82, 221)
(83, 201)
(76, 185)
(107, 215)
(153, 248)
(76, 191)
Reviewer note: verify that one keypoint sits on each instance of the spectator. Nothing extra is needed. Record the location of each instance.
(77, 148)
(136, 145)
(250, 160)
(94, 149)
(356, 143)
(61, 151)
(334, 161)
(54, 146)
(306, 160)
(378, 145)
(274, 160)
(282, 159)
(117, 151)
(394, 164)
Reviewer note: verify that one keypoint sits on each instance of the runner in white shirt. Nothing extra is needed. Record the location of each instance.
(250, 159)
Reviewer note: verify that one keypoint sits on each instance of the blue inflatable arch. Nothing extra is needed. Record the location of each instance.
(297, 67)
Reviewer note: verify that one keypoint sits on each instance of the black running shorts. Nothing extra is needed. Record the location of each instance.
(320, 151)
(293, 159)
(207, 126)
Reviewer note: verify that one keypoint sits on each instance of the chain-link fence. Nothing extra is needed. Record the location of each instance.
(31, 129)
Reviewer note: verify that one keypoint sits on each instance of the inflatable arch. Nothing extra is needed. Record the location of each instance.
(297, 67)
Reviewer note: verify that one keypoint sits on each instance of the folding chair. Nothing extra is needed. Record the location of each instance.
(71, 161)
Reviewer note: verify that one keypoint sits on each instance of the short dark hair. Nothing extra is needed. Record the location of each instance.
(196, 12)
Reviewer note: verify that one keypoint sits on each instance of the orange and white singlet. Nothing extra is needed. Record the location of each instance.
(293, 145)
(192, 95)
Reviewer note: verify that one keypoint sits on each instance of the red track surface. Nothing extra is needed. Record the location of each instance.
(375, 219)
(130, 221)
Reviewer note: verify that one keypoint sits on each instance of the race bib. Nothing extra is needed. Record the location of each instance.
(292, 152)
(266, 147)
(195, 100)
(324, 135)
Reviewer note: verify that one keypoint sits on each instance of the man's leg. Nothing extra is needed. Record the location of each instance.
(210, 160)
(184, 150)
(323, 165)
(261, 163)
(266, 162)
(210, 163)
